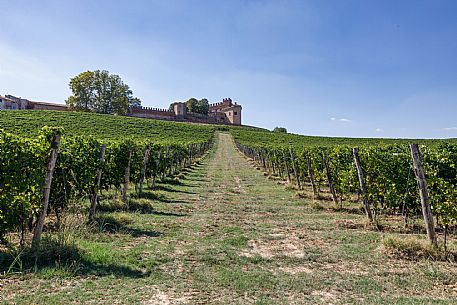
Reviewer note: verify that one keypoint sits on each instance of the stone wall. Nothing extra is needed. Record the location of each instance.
(48, 106)
(152, 113)
(165, 114)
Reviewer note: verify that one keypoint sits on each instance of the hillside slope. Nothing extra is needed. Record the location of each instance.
(109, 127)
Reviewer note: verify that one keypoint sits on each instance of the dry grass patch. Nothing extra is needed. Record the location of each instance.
(348, 224)
(277, 245)
(413, 248)
(168, 297)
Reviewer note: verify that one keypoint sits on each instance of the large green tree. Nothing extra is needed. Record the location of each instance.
(101, 92)
(203, 106)
(198, 106)
(192, 105)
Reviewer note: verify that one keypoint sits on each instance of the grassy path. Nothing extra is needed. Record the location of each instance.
(228, 235)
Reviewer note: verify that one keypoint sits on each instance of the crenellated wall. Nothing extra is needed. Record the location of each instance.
(151, 113)
(179, 116)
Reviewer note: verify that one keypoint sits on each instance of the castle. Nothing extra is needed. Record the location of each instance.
(225, 112)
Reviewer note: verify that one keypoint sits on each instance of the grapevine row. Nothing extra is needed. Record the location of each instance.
(84, 165)
(388, 176)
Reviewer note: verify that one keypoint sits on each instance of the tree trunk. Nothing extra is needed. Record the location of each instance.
(363, 189)
(93, 200)
(55, 145)
(425, 201)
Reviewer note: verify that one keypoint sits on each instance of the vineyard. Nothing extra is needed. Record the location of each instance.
(43, 169)
(103, 127)
(105, 209)
(378, 172)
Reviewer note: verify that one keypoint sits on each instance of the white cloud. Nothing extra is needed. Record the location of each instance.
(449, 128)
(344, 120)
(379, 130)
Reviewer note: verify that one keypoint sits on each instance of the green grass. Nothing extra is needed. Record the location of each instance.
(228, 235)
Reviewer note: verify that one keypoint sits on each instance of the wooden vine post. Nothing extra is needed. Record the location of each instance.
(363, 189)
(273, 165)
(172, 158)
(98, 177)
(286, 165)
(53, 152)
(156, 169)
(189, 155)
(297, 174)
(277, 163)
(425, 201)
(164, 173)
(329, 180)
(311, 175)
(127, 177)
(143, 170)
(263, 152)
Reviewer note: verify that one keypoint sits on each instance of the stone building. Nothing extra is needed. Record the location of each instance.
(231, 111)
(8, 104)
(11, 102)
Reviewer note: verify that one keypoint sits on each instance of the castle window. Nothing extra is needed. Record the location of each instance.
(235, 113)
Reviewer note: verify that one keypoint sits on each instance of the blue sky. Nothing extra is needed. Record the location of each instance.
(325, 67)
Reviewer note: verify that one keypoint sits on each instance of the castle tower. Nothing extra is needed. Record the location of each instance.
(230, 111)
(233, 114)
(180, 108)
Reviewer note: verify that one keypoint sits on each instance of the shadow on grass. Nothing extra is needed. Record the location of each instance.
(119, 224)
(172, 181)
(166, 188)
(59, 258)
(138, 207)
(347, 210)
(139, 204)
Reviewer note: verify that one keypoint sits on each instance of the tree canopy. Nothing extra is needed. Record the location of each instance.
(198, 106)
(99, 91)
(280, 129)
